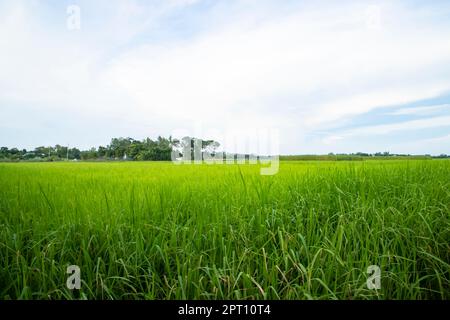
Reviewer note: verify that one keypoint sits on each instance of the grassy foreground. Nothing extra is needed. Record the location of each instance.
(162, 231)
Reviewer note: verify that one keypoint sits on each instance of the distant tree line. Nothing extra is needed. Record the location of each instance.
(161, 149)
(359, 156)
(118, 149)
(388, 154)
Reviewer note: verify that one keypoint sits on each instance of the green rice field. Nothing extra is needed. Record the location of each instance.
(156, 230)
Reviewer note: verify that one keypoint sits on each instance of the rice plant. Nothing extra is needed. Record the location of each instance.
(155, 230)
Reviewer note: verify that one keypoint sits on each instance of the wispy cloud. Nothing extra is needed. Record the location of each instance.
(423, 110)
(386, 129)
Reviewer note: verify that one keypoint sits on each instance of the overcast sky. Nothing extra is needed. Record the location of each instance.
(330, 76)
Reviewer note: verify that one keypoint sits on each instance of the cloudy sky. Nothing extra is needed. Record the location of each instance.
(328, 76)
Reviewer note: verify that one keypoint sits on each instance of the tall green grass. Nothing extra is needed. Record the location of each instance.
(165, 231)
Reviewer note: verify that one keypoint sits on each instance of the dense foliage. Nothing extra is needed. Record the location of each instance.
(119, 148)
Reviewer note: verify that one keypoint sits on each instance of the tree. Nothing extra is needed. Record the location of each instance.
(134, 149)
(4, 152)
(74, 153)
(89, 154)
(61, 151)
(102, 152)
(119, 146)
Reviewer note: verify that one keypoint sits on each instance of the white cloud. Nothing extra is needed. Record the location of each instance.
(423, 110)
(304, 71)
(331, 113)
(434, 146)
(385, 129)
(242, 67)
(331, 139)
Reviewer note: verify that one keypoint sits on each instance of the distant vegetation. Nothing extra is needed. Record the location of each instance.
(160, 150)
(119, 149)
(360, 156)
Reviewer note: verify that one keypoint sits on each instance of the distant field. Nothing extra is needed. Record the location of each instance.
(153, 230)
(349, 157)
